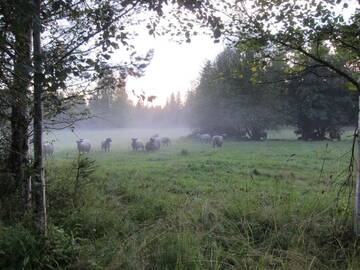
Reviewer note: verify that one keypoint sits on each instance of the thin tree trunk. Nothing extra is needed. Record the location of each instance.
(38, 179)
(357, 191)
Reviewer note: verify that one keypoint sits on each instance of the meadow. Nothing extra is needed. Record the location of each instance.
(249, 205)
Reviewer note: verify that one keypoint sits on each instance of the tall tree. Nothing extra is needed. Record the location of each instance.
(231, 99)
(16, 24)
(288, 27)
(109, 101)
(39, 179)
(319, 104)
(74, 31)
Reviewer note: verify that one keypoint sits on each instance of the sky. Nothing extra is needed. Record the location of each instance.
(174, 66)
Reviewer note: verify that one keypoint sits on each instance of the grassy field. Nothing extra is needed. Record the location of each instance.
(249, 205)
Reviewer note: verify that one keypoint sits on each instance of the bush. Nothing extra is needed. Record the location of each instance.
(20, 248)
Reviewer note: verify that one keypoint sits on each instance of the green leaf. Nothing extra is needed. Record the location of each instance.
(350, 86)
(90, 62)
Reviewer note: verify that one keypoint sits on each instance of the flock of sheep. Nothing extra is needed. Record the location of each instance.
(217, 140)
(154, 143)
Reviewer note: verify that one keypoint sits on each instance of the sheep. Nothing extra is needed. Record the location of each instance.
(105, 145)
(156, 138)
(204, 138)
(218, 140)
(48, 149)
(335, 135)
(136, 144)
(84, 146)
(263, 135)
(165, 141)
(152, 145)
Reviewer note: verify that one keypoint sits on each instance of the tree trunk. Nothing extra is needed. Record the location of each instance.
(18, 154)
(38, 178)
(357, 191)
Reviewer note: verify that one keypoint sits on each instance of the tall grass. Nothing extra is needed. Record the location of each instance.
(246, 206)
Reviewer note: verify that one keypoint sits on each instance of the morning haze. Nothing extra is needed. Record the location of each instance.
(183, 135)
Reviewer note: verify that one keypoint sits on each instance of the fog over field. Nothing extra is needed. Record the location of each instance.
(66, 139)
(181, 134)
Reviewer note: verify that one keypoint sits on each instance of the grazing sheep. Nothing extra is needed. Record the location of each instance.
(335, 135)
(165, 141)
(156, 138)
(137, 145)
(217, 140)
(106, 144)
(48, 149)
(84, 146)
(204, 138)
(263, 135)
(152, 145)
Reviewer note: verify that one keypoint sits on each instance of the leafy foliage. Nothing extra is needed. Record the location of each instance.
(289, 26)
(319, 105)
(236, 97)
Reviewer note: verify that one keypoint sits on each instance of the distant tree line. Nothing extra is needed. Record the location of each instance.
(243, 98)
(108, 106)
(172, 114)
(237, 96)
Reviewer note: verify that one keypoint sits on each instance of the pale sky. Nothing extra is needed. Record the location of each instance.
(174, 66)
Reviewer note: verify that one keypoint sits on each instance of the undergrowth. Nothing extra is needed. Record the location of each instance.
(245, 206)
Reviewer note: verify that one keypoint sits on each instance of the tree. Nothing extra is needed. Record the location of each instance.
(109, 101)
(318, 104)
(290, 27)
(39, 179)
(178, 100)
(231, 99)
(15, 72)
(73, 31)
(104, 94)
(283, 28)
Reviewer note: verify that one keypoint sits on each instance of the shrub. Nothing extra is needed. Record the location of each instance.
(20, 248)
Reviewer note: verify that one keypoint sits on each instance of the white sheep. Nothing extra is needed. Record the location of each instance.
(137, 145)
(204, 138)
(153, 144)
(84, 146)
(165, 141)
(217, 140)
(48, 149)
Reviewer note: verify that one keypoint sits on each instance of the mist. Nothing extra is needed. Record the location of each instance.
(65, 140)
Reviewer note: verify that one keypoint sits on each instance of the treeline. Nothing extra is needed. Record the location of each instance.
(244, 97)
(109, 106)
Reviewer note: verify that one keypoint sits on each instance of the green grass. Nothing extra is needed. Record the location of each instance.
(249, 205)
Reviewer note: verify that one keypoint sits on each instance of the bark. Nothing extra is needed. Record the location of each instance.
(27, 195)
(38, 177)
(357, 190)
(18, 154)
